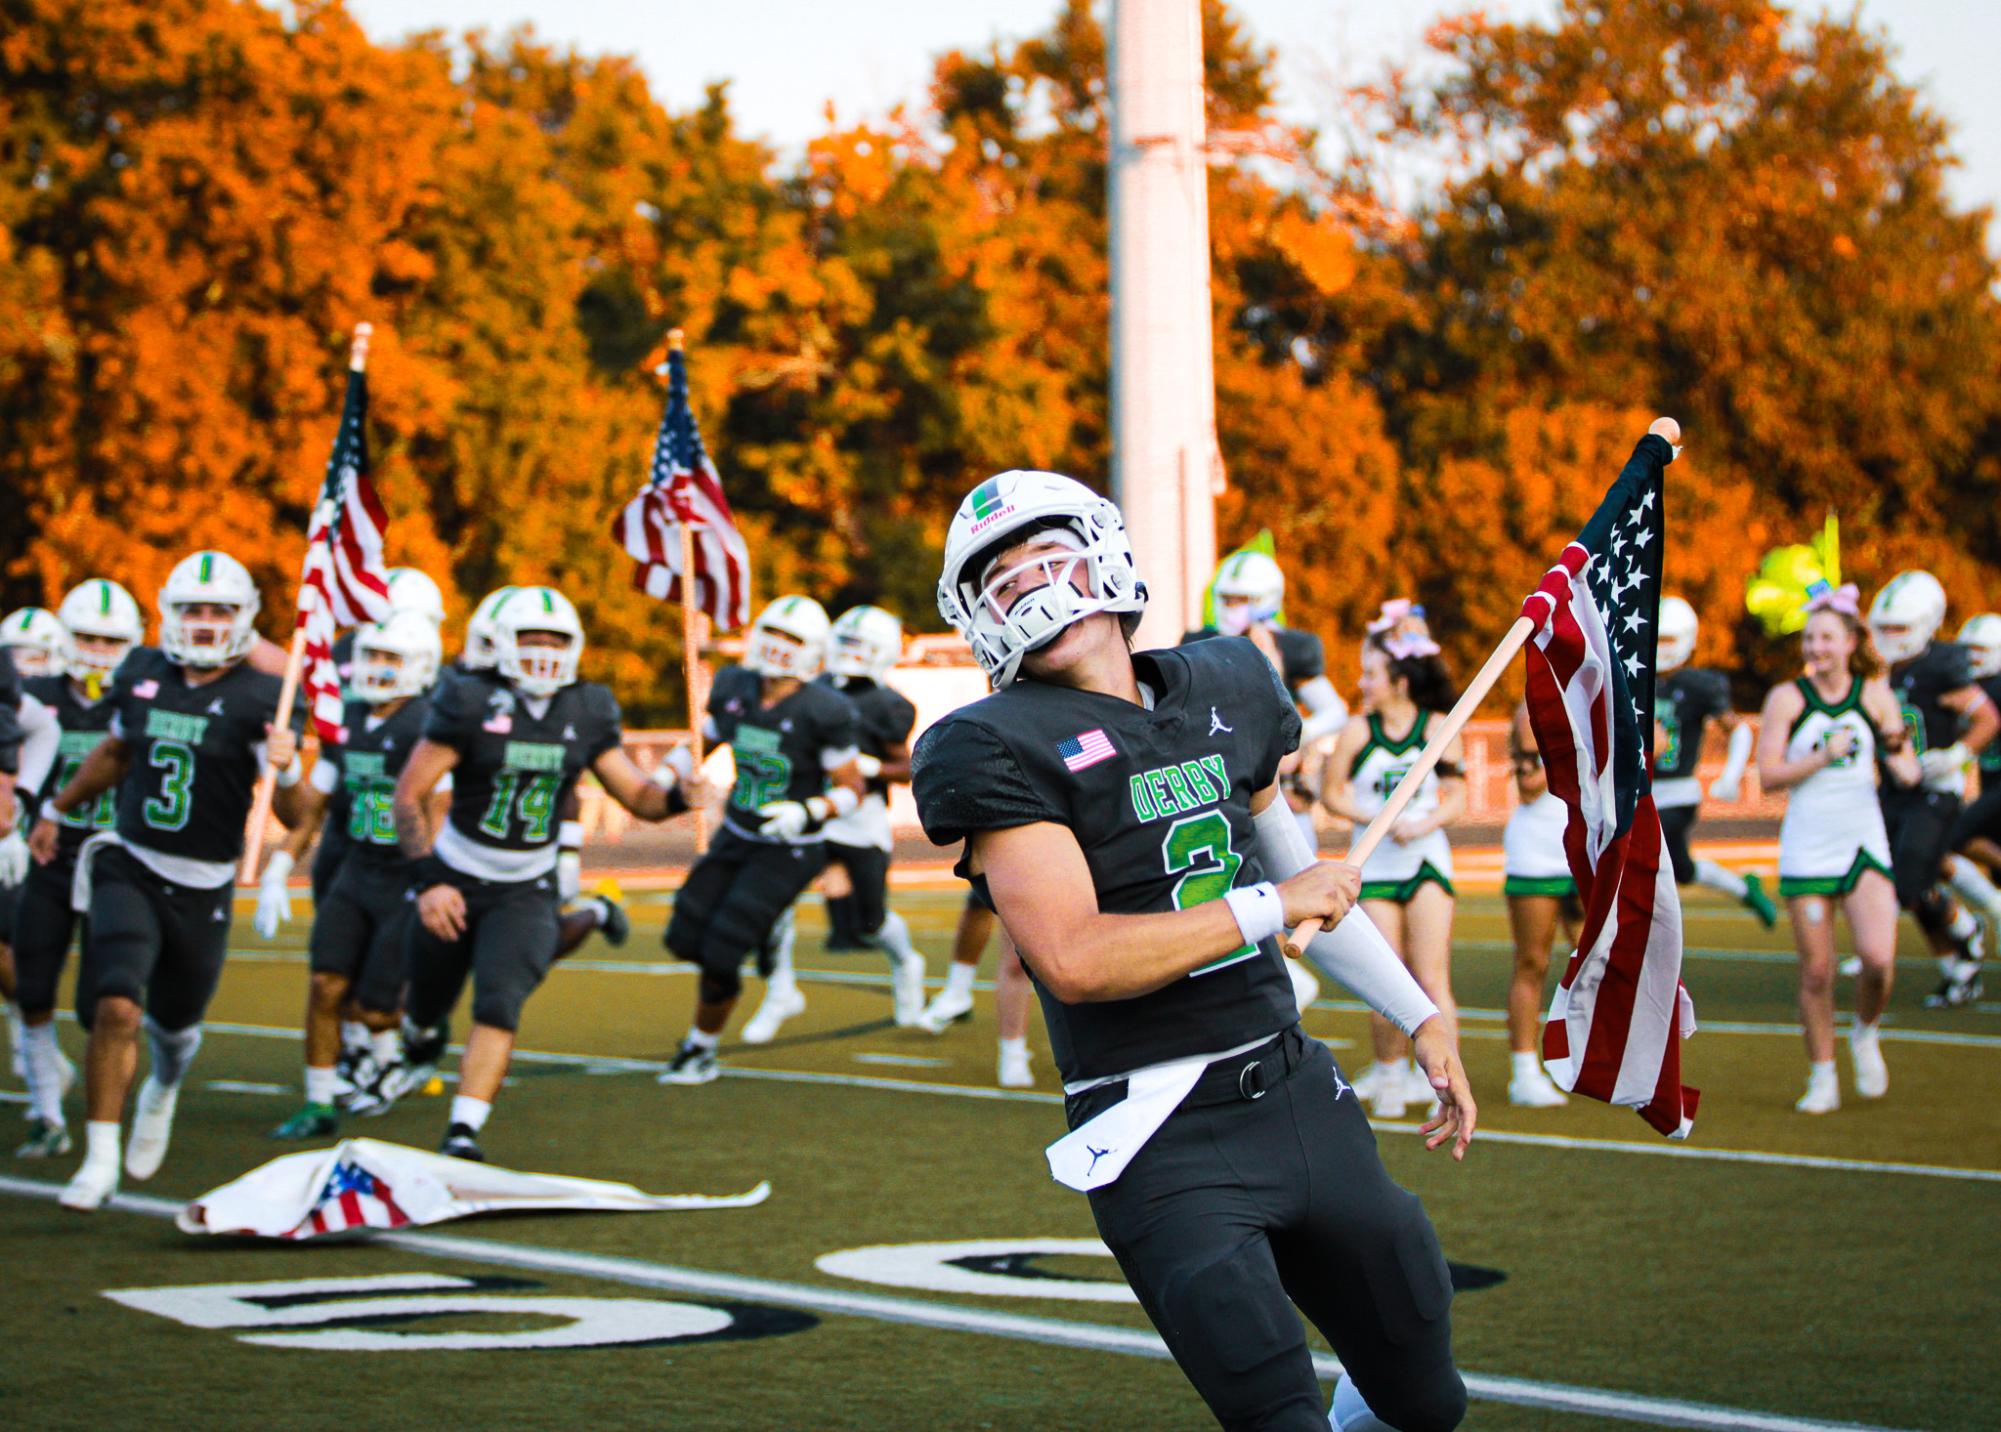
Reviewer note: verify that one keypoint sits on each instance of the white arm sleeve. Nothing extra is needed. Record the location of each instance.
(1353, 953)
(1739, 755)
(41, 736)
(1326, 712)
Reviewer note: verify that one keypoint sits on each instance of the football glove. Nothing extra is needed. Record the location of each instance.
(13, 858)
(869, 766)
(1722, 790)
(1939, 767)
(784, 820)
(274, 900)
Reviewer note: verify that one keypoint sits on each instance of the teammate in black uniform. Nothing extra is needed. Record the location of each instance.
(862, 646)
(1947, 720)
(190, 731)
(514, 742)
(104, 625)
(1976, 836)
(797, 767)
(1686, 700)
(1123, 814)
(361, 924)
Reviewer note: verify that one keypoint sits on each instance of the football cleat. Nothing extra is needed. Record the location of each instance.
(422, 1052)
(781, 1002)
(692, 1064)
(313, 1121)
(1014, 1071)
(152, 1126)
(378, 1098)
(615, 923)
(462, 1142)
(946, 1009)
(1872, 1075)
(93, 1184)
(909, 986)
(346, 1065)
(1758, 902)
(1958, 987)
(45, 1140)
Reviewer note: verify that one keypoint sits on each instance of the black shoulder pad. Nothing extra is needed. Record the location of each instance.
(966, 778)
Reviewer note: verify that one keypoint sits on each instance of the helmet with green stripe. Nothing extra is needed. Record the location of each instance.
(538, 641)
(35, 638)
(104, 623)
(1981, 636)
(865, 641)
(789, 638)
(413, 591)
(1250, 589)
(1906, 615)
(482, 651)
(208, 611)
(396, 658)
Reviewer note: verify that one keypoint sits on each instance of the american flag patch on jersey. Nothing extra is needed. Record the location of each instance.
(1086, 749)
(146, 690)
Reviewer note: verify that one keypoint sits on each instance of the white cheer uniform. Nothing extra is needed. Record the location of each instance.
(1532, 858)
(1833, 830)
(1393, 871)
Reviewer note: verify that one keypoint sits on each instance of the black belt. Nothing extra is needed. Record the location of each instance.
(1250, 1075)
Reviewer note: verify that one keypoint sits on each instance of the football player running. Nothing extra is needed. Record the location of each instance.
(1820, 740)
(1541, 896)
(190, 731)
(1407, 880)
(1686, 700)
(361, 925)
(514, 742)
(1948, 720)
(1977, 833)
(102, 624)
(1130, 841)
(795, 743)
(32, 643)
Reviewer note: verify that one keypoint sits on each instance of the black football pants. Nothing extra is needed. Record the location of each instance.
(361, 932)
(731, 899)
(158, 944)
(1920, 825)
(508, 945)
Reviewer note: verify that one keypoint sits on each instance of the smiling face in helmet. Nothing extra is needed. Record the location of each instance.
(1042, 560)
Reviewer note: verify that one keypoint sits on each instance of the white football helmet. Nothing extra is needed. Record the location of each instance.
(482, 651)
(1677, 634)
(37, 640)
(865, 641)
(101, 611)
(1250, 589)
(1004, 511)
(1981, 636)
(789, 638)
(538, 670)
(208, 579)
(396, 658)
(413, 591)
(1906, 614)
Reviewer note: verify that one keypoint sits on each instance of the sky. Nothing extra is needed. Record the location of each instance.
(787, 59)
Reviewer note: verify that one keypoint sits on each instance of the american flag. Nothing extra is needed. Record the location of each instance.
(352, 1197)
(345, 582)
(684, 488)
(1616, 1025)
(1086, 749)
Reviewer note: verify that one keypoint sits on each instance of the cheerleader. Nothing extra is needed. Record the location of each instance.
(1541, 894)
(1407, 881)
(1820, 740)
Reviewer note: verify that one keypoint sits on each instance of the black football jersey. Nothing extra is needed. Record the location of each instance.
(777, 748)
(1684, 702)
(1990, 754)
(883, 717)
(83, 724)
(1159, 800)
(516, 768)
(10, 721)
(1938, 670)
(1299, 652)
(369, 763)
(194, 767)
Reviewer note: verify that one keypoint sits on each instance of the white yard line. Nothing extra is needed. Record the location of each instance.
(951, 1317)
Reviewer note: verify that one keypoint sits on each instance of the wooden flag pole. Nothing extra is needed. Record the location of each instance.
(691, 640)
(295, 659)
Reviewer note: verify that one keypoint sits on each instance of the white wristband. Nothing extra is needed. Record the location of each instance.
(842, 800)
(49, 811)
(292, 774)
(1259, 911)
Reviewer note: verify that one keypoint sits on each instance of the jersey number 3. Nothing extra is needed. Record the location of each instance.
(169, 809)
(1199, 845)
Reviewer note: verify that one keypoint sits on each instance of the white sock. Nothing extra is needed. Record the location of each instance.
(959, 979)
(1526, 1066)
(173, 1052)
(600, 910)
(387, 1046)
(700, 1040)
(894, 937)
(319, 1085)
(780, 944)
(16, 1030)
(1014, 1048)
(353, 1034)
(101, 1142)
(1963, 925)
(44, 1058)
(1708, 872)
(1820, 1069)
(1970, 882)
(1351, 1412)
(470, 1111)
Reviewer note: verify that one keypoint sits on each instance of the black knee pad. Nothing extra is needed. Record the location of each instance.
(719, 987)
(683, 936)
(501, 1009)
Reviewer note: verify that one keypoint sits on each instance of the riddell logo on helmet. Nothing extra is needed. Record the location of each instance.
(988, 505)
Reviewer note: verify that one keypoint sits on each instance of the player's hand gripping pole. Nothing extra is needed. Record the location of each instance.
(295, 659)
(691, 643)
(1476, 692)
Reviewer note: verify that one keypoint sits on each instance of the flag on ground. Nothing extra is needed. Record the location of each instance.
(1616, 1024)
(683, 488)
(345, 582)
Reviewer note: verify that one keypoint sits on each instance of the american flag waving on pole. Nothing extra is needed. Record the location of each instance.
(1616, 1025)
(345, 582)
(683, 490)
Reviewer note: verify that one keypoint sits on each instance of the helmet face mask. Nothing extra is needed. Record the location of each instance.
(482, 651)
(208, 611)
(539, 640)
(1678, 628)
(788, 640)
(395, 659)
(864, 643)
(1088, 567)
(1250, 590)
(1905, 615)
(104, 624)
(38, 642)
(1981, 636)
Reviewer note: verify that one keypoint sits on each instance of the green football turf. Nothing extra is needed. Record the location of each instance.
(1806, 1278)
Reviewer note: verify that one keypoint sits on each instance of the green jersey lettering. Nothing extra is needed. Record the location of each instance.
(175, 726)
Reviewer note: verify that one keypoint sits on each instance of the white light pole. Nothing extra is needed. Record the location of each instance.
(1165, 467)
